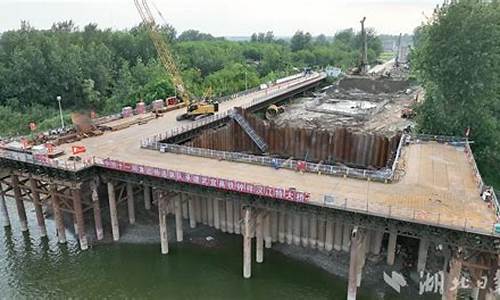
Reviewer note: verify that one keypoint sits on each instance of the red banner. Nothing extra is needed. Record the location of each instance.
(289, 194)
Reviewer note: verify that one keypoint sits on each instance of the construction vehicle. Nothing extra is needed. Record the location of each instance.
(195, 109)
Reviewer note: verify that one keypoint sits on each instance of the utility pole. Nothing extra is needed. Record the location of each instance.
(399, 50)
(59, 98)
(364, 50)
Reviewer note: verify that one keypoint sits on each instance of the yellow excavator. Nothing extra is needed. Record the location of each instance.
(195, 109)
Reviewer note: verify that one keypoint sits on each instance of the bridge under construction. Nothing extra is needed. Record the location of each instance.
(327, 190)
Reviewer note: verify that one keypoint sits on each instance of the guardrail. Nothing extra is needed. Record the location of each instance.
(381, 176)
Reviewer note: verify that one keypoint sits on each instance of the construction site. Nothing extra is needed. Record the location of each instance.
(331, 167)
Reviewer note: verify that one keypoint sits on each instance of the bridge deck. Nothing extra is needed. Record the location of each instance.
(437, 185)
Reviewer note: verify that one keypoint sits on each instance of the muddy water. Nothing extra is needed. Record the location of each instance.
(33, 267)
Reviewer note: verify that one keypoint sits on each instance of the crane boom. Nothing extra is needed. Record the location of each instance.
(164, 53)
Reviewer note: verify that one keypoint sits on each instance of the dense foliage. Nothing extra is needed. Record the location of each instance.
(104, 70)
(457, 60)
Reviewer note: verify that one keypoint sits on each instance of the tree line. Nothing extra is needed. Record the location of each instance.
(104, 70)
(456, 59)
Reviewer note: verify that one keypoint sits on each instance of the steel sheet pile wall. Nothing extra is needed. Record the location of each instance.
(340, 146)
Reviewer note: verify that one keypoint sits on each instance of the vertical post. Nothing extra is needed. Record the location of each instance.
(229, 216)
(354, 263)
(178, 219)
(453, 275)
(58, 217)
(204, 210)
(422, 254)
(289, 228)
(296, 229)
(281, 227)
(376, 241)
(192, 215)
(80, 222)
(147, 197)
(313, 231)
(274, 226)
(305, 230)
(267, 230)
(222, 213)
(130, 203)
(210, 210)
(337, 243)
(97, 211)
(329, 235)
(346, 238)
(3, 208)
(237, 216)
(115, 227)
(391, 248)
(21, 211)
(216, 214)
(259, 236)
(35, 195)
(162, 213)
(247, 244)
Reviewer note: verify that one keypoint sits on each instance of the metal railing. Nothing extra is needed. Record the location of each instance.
(409, 214)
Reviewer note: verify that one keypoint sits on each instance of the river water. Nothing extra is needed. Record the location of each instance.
(35, 267)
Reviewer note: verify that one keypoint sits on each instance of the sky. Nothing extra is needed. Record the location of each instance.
(227, 17)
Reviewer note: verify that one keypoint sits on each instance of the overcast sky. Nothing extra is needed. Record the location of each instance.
(227, 17)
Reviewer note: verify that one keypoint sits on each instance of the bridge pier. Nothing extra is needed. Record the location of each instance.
(322, 234)
(38, 207)
(346, 237)
(115, 227)
(237, 216)
(192, 215)
(329, 235)
(97, 210)
(162, 215)
(267, 230)
(313, 233)
(204, 210)
(391, 248)
(178, 219)
(259, 237)
(210, 208)
(3, 208)
(58, 216)
(289, 228)
(296, 229)
(147, 197)
(422, 254)
(452, 275)
(222, 215)
(80, 221)
(229, 216)
(274, 226)
(216, 213)
(130, 203)
(337, 243)
(357, 252)
(281, 226)
(376, 241)
(305, 230)
(247, 243)
(21, 211)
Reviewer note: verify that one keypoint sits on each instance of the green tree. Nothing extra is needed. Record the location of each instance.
(300, 41)
(457, 62)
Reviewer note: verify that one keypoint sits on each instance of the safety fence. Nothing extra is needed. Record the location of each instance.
(383, 175)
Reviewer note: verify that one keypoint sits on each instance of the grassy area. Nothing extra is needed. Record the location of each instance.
(386, 56)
